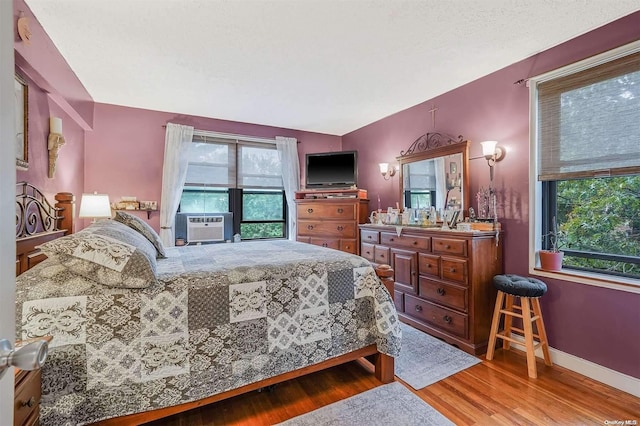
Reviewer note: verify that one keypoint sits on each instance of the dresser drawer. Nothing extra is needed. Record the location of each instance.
(450, 246)
(326, 211)
(444, 294)
(27, 397)
(328, 228)
(349, 246)
(333, 243)
(367, 251)
(382, 254)
(398, 300)
(454, 270)
(447, 320)
(405, 241)
(429, 265)
(367, 236)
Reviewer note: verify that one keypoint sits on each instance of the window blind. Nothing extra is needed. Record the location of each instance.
(589, 122)
(228, 163)
(421, 176)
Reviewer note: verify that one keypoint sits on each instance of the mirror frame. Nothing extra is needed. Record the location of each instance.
(433, 145)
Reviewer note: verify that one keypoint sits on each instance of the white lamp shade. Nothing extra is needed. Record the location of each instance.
(384, 168)
(55, 125)
(95, 205)
(489, 148)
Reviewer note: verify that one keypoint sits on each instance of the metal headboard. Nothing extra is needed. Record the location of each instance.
(34, 213)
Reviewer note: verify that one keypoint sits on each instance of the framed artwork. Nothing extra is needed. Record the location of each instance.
(453, 167)
(21, 99)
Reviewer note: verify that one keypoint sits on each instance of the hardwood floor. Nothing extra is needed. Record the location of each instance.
(498, 392)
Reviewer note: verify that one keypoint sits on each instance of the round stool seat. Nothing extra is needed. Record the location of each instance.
(519, 286)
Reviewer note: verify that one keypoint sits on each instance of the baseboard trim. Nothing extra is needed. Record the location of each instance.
(589, 369)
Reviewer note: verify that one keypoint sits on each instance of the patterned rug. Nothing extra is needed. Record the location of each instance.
(391, 404)
(424, 359)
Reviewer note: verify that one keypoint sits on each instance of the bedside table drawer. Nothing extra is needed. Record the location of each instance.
(27, 397)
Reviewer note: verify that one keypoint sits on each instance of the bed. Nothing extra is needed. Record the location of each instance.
(204, 324)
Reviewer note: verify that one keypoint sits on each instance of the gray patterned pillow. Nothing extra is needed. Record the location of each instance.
(142, 227)
(109, 253)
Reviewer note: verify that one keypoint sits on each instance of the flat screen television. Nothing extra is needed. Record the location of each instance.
(332, 169)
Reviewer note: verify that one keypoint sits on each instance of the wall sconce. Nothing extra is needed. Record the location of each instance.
(54, 143)
(492, 153)
(95, 206)
(387, 171)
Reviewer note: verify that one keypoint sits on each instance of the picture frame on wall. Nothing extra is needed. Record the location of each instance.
(21, 98)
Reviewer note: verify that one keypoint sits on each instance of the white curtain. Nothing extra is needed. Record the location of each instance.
(441, 183)
(288, 153)
(174, 172)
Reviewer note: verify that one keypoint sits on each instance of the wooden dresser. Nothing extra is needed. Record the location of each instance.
(330, 218)
(443, 279)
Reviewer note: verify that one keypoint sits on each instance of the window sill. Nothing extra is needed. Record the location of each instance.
(589, 278)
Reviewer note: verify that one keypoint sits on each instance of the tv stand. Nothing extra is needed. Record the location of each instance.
(330, 217)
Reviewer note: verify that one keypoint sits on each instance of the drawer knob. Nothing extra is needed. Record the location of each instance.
(324, 244)
(447, 246)
(340, 228)
(309, 210)
(347, 247)
(452, 270)
(368, 252)
(340, 211)
(391, 239)
(415, 243)
(447, 319)
(30, 403)
(418, 308)
(369, 237)
(440, 291)
(309, 227)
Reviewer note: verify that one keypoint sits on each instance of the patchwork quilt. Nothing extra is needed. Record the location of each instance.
(219, 317)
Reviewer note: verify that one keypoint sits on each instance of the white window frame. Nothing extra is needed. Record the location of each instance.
(535, 187)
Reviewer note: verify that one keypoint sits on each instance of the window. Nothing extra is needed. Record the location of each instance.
(238, 176)
(587, 139)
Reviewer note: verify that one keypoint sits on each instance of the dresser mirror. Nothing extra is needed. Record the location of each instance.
(434, 171)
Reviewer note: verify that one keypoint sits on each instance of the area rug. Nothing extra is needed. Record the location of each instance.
(424, 359)
(391, 404)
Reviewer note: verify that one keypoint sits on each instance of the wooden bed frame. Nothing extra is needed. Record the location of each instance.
(37, 222)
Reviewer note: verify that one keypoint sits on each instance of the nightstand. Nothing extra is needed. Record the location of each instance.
(26, 407)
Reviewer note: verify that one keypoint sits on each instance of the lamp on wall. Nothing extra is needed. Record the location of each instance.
(387, 171)
(54, 143)
(95, 206)
(492, 153)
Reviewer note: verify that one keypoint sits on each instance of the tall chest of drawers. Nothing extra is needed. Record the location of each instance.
(443, 279)
(331, 219)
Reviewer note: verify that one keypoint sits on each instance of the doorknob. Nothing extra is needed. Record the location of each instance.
(29, 357)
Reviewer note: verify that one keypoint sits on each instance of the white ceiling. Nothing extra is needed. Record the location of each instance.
(330, 66)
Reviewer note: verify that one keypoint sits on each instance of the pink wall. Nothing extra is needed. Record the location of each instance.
(54, 90)
(125, 151)
(593, 323)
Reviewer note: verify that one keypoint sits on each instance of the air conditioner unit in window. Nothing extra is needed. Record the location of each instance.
(204, 229)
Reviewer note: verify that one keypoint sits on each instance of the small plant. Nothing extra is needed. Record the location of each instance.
(551, 258)
(553, 237)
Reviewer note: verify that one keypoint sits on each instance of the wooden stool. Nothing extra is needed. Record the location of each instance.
(529, 290)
